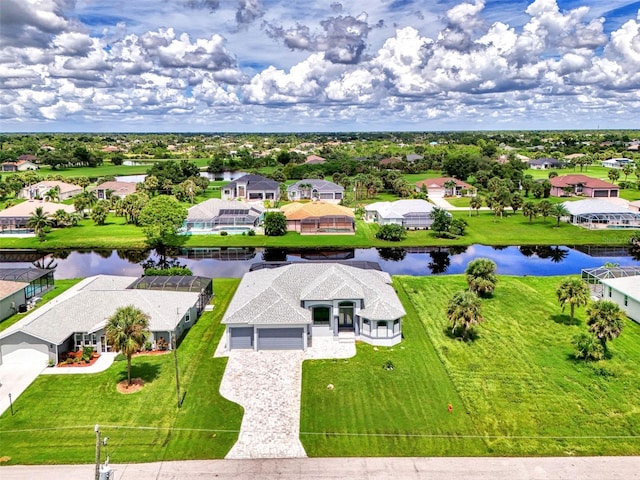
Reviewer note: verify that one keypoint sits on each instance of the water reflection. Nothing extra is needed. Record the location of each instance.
(234, 262)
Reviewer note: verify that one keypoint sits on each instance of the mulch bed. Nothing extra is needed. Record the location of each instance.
(79, 364)
(136, 385)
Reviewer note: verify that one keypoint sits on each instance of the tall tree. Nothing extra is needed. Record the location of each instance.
(127, 331)
(529, 210)
(39, 221)
(544, 208)
(481, 276)
(275, 224)
(605, 320)
(613, 174)
(573, 291)
(160, 219)
(464, 312)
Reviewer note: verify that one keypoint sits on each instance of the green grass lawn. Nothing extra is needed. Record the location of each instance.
(55, 417)
(515, 391)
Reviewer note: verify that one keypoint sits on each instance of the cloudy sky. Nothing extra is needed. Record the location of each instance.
(318, 65)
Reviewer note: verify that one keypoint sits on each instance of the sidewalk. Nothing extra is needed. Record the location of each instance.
(446, 468)
(104, 361)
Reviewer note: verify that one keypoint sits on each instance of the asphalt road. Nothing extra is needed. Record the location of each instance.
(547, 468)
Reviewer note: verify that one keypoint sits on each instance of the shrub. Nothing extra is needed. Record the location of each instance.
(223, 233)
(391, 233)
(148, 346)
(162, 344)
(275, 224)
(120, 357)
(251, 233)
(388, 365)
(168, 272)
(588, 347)
(87, 354)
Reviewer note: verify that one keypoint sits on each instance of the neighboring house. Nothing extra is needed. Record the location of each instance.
(41, 189)
(545, 163)
(113, 189)
(16, 217)
(18, 166)
(251, 187)
(315, 189)
(215, 215)
(284, 308)
(567, 185)
(411, 214)
(414, 157)
(599, 213)
(20, 287)
(319, 218)
(617, 162)
(625, 291)
(634, 206)
(446, 187)
(12, 298)
(315, 160)
(78, 317)
(390, 162)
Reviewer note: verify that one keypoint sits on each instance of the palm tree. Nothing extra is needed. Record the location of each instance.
(127, 331)
(605, 320)
(558, 210)
(544, 208)
(573, 291)
(627, 170)
(463, 312)
(39, 221)
(530, 210)
(481, 276)
(475, 204)
(613, 175)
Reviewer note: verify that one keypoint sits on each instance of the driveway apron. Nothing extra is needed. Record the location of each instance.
(268, 385)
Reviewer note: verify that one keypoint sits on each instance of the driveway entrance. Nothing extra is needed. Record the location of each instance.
(18, 370)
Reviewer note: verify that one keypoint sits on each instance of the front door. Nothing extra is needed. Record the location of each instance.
(345, 318)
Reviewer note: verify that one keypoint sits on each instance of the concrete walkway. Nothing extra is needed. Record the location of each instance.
(268, 385)
(452, 468)
(104, 361)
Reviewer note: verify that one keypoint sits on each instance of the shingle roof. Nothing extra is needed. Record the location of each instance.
(400, 208)
(299, 211)
(118, 188)
(9, 288)
(254, 182)
(274, 296)
(589, 205)
(317, 184)
(570, 180)
(211, 208)
(94, 300)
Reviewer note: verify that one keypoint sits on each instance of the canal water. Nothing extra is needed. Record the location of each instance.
(234, 262)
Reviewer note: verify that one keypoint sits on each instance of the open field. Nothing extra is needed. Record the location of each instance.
(55, 417)
(515, 391)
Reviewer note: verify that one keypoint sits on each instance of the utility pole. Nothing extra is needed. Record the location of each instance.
(174, 346)
(97, 430)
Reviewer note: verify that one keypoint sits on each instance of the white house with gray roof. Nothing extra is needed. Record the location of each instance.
(625, 291)
(214, 216)
(315, 189)
(77, 318)
(601, 213)
(411, 214)
(284, 308)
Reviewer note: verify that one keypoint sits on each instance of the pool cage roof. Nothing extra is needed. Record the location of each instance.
(633, 218)
(594, 275)
(180, 283)
(22, 274)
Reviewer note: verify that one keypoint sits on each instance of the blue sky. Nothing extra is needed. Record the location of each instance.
(277, 66)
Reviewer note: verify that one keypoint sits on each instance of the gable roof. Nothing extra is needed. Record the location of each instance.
(274, 296)
(440, 181)
(298, 211)
(400, 208)
(314, 159)
(317, 184)
(118, 188)
(9, 288)
(254, 182)
(576, 179)
(211, 208)
(64, 186)
(85, 307)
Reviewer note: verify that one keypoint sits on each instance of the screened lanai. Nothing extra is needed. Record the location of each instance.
(594, 276)
(599, 213)
(175, 283)
(40, 280)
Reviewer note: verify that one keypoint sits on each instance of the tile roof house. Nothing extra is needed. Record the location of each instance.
(444, 187)
(582, 185)
(315, 160)
(41, 189)
(315, 189)
(16, 217)
(214, 216)
(411, 214)
(18, 166)
(284, 308)
(113, 189)
(77, 318)
(319, 218)
(251, 187)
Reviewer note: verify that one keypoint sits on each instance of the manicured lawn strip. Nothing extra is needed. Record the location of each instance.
(519, 379)
(61, 286)
(379, 410)
(43, 429)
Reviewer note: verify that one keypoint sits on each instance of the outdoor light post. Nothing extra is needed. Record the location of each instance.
(97, 430)
(174, 346)
(11, 404)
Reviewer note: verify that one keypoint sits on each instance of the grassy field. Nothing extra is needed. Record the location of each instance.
(516, 390)
(55, 417)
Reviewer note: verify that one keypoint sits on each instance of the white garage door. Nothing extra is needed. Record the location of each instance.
(281, 339)
(33, 355)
